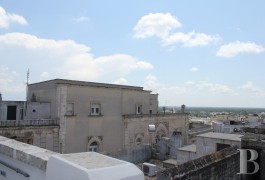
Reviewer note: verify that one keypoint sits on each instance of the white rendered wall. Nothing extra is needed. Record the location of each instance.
(35, 173)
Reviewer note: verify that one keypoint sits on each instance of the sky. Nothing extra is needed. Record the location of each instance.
(199, 53)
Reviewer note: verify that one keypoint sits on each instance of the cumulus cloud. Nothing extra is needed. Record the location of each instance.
(155, 24)
(121, 81)
(211, 87)
(194, 69)
(7, 81)
(234, 48)
(81, 19)
(162, 26)
(6, 19)
(249, 86)
(45, 75)
(191, 39)
(65, 59)
(151, 83)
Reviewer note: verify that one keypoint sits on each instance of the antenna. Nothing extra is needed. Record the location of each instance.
(28, 77)
(27, 87)
(27, 84)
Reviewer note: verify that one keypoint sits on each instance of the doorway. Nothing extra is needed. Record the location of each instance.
(11, 112)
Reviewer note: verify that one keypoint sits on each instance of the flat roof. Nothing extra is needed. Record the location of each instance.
(171, 161)
(91, 160)
(29, 154)
(94, 84)
(233, 137)
(190, 148)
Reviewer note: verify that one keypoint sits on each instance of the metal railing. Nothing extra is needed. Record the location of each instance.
(26, 123)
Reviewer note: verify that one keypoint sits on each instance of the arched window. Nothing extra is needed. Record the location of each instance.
(138, 141)
(93, 147)
(157, 139)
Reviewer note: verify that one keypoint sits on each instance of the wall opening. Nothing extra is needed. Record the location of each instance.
(220, 146)
(11, 112)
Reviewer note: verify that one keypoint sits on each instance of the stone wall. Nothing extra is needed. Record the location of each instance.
(221, 165)
(46, 137)
(136, 126)
(136, 155)
(254, 139)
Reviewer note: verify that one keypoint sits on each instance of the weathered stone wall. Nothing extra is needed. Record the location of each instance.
(46, 137)
(221, 165)
(254, 139)
(136, 155)
(136, 126)
(208, 145)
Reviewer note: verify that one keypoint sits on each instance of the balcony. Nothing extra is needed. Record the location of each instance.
(28, 123)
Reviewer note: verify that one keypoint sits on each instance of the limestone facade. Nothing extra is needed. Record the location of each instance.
(44, 137)
(94, 111)
(136, 128)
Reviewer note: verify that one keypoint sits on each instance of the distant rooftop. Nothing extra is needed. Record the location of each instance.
(94, 84)
(190, 148)
(233, 137)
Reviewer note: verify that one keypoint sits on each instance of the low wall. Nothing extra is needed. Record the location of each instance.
(221, 165)
(44, 136)
(20, 161)
(136, 155)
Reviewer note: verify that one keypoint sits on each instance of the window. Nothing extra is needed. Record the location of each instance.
(93, 147)
(157, 139)
(139, 109)
(95, 109)
(138, 141)
(70, 109)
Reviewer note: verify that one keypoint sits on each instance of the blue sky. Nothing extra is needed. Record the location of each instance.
(198, 53)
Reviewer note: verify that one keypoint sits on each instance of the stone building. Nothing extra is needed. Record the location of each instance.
(29, 122)
(207, 143)
(105, 117)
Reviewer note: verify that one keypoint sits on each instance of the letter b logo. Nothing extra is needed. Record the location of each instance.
(244, 161)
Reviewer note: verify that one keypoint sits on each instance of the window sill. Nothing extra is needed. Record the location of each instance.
(98, 115)
(68, 115)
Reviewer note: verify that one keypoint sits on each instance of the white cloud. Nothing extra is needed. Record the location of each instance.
(249, 86)
(45, 75)
(191, 39)
(81, 19)
(162, 25)
(151, 83)
(6, 19)
(210, 87)
(175, 90)
(234, 48)
(194, 69)
(48, 58)
(156, 24)
(7, 81)
(121, 81)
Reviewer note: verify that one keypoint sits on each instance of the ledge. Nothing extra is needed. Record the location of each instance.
(28, 154)
(101, 115)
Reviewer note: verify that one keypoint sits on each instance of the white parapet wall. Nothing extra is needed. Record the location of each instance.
(19, 161)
